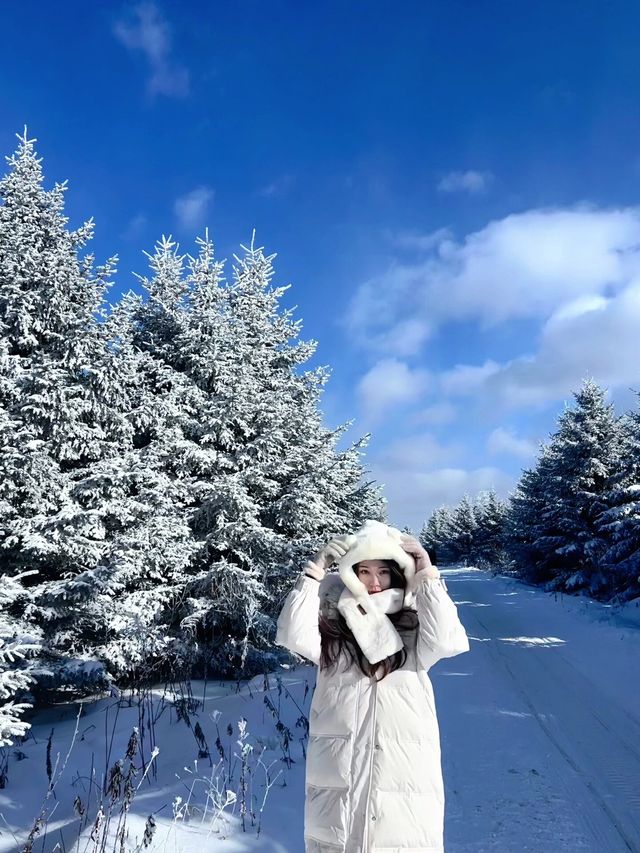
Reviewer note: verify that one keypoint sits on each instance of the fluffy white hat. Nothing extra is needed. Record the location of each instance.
(375, 541)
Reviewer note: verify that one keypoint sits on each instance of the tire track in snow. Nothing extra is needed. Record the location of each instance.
(620, 779)
(507, 791)
(583, 726)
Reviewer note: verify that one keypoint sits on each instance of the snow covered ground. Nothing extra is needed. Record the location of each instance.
(540, 723)
(540, 728)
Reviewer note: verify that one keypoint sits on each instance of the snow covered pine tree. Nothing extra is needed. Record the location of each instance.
(555, 519)
(57, 387)
(264, 478)
(619, 524)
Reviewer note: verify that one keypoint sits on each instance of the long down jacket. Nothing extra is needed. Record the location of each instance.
(373, 772)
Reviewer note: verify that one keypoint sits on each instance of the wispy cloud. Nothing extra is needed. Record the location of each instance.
(191, 209)
(466, 378)
(471, 182)
(388, 384)
(148, 31)
(437, 414)
(134, 227)
(503, 442)
(278, 187)
(385, 308)
(418, 242)
(418, 451)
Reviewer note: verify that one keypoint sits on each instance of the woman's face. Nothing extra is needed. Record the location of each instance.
(374, 574)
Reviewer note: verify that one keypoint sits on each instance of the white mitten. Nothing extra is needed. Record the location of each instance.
(424, 569)
(312, 570)
(426, 574)
(333, 551)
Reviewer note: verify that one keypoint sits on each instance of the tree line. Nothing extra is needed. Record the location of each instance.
(573, 521)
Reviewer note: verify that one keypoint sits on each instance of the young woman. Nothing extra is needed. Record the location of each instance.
(374, 628)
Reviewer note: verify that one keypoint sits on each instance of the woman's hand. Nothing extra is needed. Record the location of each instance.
(331, 553)
(423, 562)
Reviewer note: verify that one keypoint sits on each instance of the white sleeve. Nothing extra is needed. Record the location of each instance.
(440, 632)
(298, 621)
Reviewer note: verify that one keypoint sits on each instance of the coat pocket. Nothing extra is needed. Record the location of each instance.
(328, 761)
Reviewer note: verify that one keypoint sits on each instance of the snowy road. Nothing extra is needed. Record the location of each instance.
(540, 724)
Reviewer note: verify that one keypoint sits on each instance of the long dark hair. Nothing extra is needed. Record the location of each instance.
(336, 636)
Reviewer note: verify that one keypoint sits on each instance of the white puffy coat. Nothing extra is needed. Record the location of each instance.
(373, 773)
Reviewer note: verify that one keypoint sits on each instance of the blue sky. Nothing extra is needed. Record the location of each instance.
(452, 189)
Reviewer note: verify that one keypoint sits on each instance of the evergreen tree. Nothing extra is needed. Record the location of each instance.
(59, 388)
(17, 641)
(524, 533)
(620, 522)
(131, 617)
(436, 535)
(556, 515)
(490, 513)
(57, 384)
(232, 478)
(281, 487)
(165, 466)
(464, 531)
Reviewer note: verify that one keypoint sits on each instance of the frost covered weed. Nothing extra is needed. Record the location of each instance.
(239, 783)
(186, 706)
(148, 716)
(225, 795)
(184, 702)
(227, 754)
(113, 795)
(4, 766)
(230, 795)
(120, 791)
(283, 731)
(54, 774)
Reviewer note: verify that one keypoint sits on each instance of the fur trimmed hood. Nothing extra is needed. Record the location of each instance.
(375, 541)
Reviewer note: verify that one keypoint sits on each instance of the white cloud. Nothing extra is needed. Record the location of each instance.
(149, 32)
(526, 266)
(575, 308)
(503, 442)
(406, 337)
(390, 383)
(191, 209)
(466, 378)
(437, 414)
(421, 450)
(596, 338)
(420, 473)
(471, 182)
(383, 305)
(575, 272)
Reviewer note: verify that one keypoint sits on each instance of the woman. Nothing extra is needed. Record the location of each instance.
(374, 628)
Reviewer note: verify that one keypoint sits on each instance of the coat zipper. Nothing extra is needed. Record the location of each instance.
(368, 816)
(357, 717)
